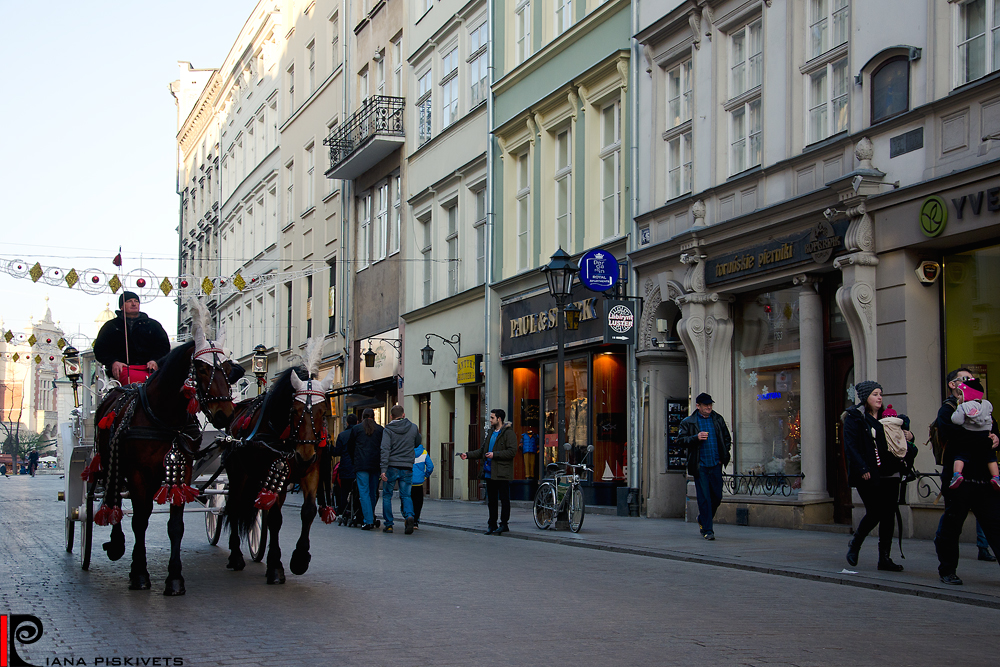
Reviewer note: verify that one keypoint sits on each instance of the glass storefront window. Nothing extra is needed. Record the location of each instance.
(972, 313)
(610, 461)
(766, 381)
(577, 411)
(526, 418)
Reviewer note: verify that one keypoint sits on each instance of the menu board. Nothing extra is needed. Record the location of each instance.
(676, 411)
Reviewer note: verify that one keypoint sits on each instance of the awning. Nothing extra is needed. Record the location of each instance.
(370, 389)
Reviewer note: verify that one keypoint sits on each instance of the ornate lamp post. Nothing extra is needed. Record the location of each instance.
(71, 368)
(259, 365)
(559, 273)
(427, 352)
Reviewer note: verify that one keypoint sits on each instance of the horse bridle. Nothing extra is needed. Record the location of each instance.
(216, 368)
(309, 393)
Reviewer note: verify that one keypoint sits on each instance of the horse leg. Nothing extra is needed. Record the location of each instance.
(175, 530)
(301, 557)
(236, 562)
(138, 578)
(116, 545)
(236, 507)
(275, 571)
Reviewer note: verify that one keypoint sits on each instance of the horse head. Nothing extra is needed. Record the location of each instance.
(211, 372)
(308, 415)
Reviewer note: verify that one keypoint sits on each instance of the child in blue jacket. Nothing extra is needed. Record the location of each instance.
(422, 469)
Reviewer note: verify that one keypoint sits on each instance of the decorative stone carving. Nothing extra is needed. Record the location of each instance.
(707, 18)
(574, 102)
(698, 211)
(532, 128)
(622, 65)
(647, 54)
(694, 21)
(694, 278)
(864, 151)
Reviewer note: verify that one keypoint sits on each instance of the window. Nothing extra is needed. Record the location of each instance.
(334, 42)
(381, 229)
(330, 129)
(828, 89)
(452, 241)
(310, 176)
(523, 211)
(564, 191)
(822, 15)
(259, 240)
(331, 298)
(427, 262)
(679, 165)
(273, 111)
(396, 211)
(425, 6)
(288, 316)
(290, 82)
(611, 190)
(978, 39)
(449, 88)
(364, 229)
(480, 226)
(311, 59)
(478, 73)
(890, 88)
(289, 192)
(679, 94)
(272, 211)
(363, 85)
(746, 59)
(251, 147)
(309, 303)
(397, 71)
(564, 16)
(380, 75)
(745, 136)
(522, 31)
(261, 134)
(424, 108)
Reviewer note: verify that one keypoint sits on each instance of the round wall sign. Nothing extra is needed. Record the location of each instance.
(620, 319)
(598, 270)
(933, 216)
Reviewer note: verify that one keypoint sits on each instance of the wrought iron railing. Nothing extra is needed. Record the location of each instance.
(928, 484)
(378, 115)
(762, 485)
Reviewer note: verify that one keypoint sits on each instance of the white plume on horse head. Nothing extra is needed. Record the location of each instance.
(310, 361)
(200, 323)
(220, 341)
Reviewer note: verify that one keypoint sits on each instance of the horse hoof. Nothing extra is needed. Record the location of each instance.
(139, 582)
(174, 587)
(236, 563)
(115, 548)
(276, 576)
(300, 562)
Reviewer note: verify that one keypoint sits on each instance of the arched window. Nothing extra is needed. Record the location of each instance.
(890, 86)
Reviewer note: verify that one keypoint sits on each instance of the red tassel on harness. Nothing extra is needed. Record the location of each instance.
(265, 499)
(108, 516)
(322, 441)
(176, 495)
(94, 467)
(161, 495)
(190, 493)
(286, 433)
(193, 406)
(107, 421)
(327, 514)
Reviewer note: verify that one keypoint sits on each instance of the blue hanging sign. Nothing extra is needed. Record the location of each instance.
(598, 270)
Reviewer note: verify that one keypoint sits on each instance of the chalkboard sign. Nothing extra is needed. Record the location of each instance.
(675, 412)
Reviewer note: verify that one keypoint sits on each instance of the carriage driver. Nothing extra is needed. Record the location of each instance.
(130, 344)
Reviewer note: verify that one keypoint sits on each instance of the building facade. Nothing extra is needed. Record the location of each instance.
(787, 154)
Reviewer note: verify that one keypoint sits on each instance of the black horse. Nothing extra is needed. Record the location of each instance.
(279, 436)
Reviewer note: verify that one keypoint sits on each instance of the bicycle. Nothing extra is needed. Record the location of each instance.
(560, 491)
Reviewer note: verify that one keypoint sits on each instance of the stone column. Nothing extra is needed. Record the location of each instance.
(462, 417)
(811, 391)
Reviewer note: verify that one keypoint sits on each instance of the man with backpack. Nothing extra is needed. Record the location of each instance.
(975, 494)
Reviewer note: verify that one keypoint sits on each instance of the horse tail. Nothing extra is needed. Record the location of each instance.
(246, 474)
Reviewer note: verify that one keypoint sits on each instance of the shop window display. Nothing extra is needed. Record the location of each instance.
(766, 381)
(577, 411)
(972, 313)
(526, 419)
(610, 460)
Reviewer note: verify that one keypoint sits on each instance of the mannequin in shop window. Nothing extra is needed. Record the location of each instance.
(529, 450)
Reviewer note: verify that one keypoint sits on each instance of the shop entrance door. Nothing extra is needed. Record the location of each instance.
(839, 380)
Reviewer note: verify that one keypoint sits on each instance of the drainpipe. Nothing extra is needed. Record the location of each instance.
(345, 227)
(635, 435)
(488, 303)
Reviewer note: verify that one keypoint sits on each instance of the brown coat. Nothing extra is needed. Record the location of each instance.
(502, 467)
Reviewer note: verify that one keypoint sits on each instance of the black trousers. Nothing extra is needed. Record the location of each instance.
(498, 489)
(881, 497)
(984, 503)
(417, 496)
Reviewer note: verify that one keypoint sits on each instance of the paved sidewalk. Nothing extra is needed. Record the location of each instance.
(791, 553)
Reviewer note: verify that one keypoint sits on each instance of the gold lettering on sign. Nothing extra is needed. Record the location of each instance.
(786, 251)
(549, 319)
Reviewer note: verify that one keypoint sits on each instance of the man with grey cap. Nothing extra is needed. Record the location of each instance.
(705, 435)
(130, 344)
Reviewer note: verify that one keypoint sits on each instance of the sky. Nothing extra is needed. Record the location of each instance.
(89, 147)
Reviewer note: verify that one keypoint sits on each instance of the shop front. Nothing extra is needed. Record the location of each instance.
(596, 394)
(379, 383)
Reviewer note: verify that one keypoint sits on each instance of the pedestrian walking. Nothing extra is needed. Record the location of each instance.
(345, 468)
(364, 447)
(705, 435)
(399, 441)
(3, 470)
(423, 466)
(974, 494)
(874, 471)
(497, 451)
(33, 462)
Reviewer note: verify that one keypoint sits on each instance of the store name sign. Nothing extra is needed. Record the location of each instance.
(816, 245)
(470, 369)
(547, 319)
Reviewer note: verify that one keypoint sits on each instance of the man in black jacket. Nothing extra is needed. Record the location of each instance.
(974, 494)
(147, 342)
(708, 441)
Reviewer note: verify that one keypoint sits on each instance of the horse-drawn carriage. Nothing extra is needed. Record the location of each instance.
(149, 447)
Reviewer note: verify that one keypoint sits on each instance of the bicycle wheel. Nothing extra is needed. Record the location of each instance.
(576, 509)
(545, 507)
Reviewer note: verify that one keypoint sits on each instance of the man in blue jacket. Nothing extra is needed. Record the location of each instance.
(422, 469)
(708, 441)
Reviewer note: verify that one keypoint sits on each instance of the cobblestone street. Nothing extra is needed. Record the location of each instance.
(445, 596)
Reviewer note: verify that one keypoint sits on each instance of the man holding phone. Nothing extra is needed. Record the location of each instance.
(708, 441)
(498, 450)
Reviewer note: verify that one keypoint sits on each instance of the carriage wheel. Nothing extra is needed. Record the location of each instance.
(257, 539)
(87, 529)
(213, 517)
(70, 534)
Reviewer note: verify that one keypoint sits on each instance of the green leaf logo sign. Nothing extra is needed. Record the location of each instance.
(933, 216)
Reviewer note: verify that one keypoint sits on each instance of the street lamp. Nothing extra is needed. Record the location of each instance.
(371, 355)
(71, 368)
(259, 365)
(559, 274)
(427, 352)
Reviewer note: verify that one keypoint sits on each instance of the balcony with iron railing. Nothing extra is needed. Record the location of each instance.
(372, 132)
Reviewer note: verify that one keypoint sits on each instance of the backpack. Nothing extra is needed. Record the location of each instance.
(938, 446)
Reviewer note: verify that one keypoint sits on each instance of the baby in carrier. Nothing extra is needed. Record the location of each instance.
(974, 414)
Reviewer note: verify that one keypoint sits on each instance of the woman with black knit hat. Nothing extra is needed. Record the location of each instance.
(873, 470)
